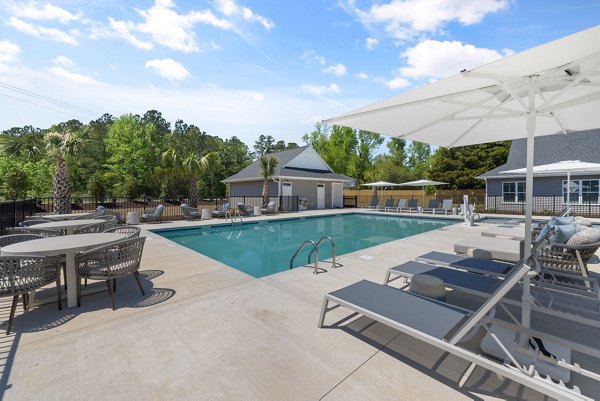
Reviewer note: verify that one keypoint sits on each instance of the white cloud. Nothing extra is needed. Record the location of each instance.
(435, 59)
(8, 51)
(168, 68)
(63, 60)
(362, 75)
(397, 83)
(405, 18)
(123, 29)
(319, 90)
(73, 77)
(338, 70)
(311, 56)
(371, 43)
(42, 32)
(34, 10)
(229, 8)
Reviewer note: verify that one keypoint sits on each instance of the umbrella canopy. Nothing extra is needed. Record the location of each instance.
(551, 88)
(566, 166)
(422, 184)
(377, 184)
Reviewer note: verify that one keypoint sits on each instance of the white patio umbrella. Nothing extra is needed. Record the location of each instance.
(566, 166)
(551, 88)
(379, 184)
(422, 184)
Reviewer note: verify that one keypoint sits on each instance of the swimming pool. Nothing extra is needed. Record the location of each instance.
(265, 247)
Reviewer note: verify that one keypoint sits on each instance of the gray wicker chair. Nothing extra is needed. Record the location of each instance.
(190, 213)
(20, 275)
(96, 227)
(44, 232)
(130, 231)
(568, 258)
(110, 262)
(32, 222)
(153, 214)
(6, 240)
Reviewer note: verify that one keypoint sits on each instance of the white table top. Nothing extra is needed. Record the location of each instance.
(61, 245)
(69, 223)
(67, 216)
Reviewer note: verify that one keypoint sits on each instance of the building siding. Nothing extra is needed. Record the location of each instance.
(542, 186)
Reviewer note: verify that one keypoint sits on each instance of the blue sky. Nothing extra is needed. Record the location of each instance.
(251, 67)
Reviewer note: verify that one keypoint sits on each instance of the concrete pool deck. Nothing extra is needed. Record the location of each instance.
(207, 331)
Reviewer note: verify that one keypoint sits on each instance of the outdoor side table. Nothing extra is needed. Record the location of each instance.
(205, 215)
(257, 211)
(133, 218)
(67, 245)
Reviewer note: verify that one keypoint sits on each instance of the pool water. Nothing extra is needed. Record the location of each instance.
(265, 247)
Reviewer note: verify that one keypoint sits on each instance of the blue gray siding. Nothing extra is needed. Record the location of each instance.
(542, 186)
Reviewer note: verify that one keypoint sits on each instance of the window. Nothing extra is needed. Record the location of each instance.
(513, 192)
(581, 192)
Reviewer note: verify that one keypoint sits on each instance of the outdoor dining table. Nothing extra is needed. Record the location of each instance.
(69, 225)
(66, 216)
(63, 245)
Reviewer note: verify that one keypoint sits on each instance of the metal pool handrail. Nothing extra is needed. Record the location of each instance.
(315, 249)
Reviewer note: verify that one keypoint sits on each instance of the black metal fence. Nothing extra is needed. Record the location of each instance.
(542, 205)
(13, 212)
(365, 200)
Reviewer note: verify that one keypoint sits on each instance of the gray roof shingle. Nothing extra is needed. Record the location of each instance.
(285, 156)
(582, 145)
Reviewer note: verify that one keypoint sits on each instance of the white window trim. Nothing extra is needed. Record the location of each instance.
(580, 197)
(516, 201)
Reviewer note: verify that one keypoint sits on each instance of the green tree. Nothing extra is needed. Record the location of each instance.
(459, 166)
(267, 169)
(265, 144)
(16, 183)
(211, 166)
(234, 156)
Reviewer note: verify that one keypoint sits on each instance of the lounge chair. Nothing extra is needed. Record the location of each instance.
(399, 205)
(373, 205)
(514, 233)
(431, 206)
(490, 248)
(411, 207)
(269, 208)
(245, 210)
(388, 204)
(189, 213)
(445, 326)
(474, 265)
(153, 215)
(446, 207)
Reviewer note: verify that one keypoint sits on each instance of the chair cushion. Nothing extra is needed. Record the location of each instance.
(582, 221)
(561, 221)
(584, 237)
(562, 233)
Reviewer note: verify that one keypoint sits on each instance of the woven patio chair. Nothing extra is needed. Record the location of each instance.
(189, 213)
(117, 215)
(44, 232)
(567, 258)
(32, 222)
(6, 240)
(106, 217)
(95, 227)
(130, 231)
(20, 275)
(153, 214)
(110, 262)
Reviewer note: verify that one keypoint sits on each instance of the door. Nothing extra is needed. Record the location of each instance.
(337, 195)
(320, 196)
(286, 196)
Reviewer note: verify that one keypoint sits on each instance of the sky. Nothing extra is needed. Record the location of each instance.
(251, 67)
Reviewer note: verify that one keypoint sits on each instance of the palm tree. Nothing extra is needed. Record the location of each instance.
(191, 163)
(211, 163)
(267, 169)
(61, 145)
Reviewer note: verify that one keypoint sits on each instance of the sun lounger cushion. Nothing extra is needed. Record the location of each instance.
(490, 248)
(584, 237)
(427, 316)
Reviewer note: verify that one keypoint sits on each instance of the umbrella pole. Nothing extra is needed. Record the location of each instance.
(568, 188)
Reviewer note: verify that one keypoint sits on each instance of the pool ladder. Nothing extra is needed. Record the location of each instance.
(228, 216)
(315, 250)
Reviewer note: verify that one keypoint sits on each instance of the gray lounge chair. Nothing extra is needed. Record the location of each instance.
(222, 211)
(446, 208)
(388, 204)
(189, 213)
(373, 205)
(431, 206)
(411, 207)
(153, 215)
(490, 248)
(269, 208)
(398, 206)
(446, 327)
(245, 210)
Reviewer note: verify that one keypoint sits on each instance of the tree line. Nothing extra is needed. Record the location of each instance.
(134, 155)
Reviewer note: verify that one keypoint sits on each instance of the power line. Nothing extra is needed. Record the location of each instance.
(40, 105)
(48, 99)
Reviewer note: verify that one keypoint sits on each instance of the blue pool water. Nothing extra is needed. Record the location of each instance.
(263, 248)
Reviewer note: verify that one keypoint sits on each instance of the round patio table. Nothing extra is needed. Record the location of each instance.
(64, 245)
(69, 225)
(68, 216)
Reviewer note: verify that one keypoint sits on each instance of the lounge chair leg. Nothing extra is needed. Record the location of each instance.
(12, 313)
(65, 274)
(137, 278)
(387, 277)
(24, 302)
(467, 374)
(114, 285)
(323, 312)
(110, 294)
(78, 292)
